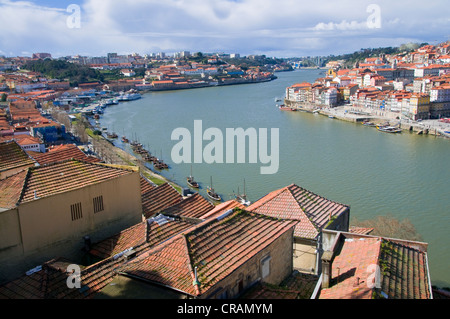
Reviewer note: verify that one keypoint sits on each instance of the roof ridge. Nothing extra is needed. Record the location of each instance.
(25, 182)
(267, 198)
(307, 215)
(192, 270)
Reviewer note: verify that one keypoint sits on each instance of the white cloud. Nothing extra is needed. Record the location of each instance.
(244, 26)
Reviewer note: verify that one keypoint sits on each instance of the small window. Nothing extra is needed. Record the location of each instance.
(76, 211)
(98, 204)
(265, 267)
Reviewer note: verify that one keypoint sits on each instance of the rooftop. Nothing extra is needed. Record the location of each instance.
(159, 229)
(13, 156)
(402, 264)
(194, 206)
(207, 247)
(56, 178)
(159, 198)
(296, 203)
(62, 153)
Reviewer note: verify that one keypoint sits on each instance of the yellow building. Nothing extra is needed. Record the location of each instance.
(47, 211)
(419, 106)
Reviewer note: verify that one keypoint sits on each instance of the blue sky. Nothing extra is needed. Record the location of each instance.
(279, 28)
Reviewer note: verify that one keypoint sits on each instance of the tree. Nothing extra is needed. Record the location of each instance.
(3, 98)
(391, 227)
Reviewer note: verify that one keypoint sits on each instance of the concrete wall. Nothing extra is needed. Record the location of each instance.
(281, 266)
(304, 255)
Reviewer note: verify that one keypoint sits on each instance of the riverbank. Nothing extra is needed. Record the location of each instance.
(351, 114)
(105, 149)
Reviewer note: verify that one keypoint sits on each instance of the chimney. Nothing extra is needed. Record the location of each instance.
(87, 243)
(327, 259)
(147, 230)
(196, 282)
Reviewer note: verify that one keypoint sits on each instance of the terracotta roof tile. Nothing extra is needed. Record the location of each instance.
(13, 156)
(403, 270)
(10, 190)
(62, 153)
(60, 177)
(137, 234)
(194, 206)
(222, 208)
(207, 246)
(159, 198)
(296, 203)
(50, 281)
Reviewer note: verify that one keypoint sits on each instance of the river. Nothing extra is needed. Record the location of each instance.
(405, 175)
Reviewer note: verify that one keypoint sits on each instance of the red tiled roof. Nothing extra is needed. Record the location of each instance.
(159, 198)
(49, 281)
(296, 203)
(194, 206)
(206, 246)
(52, 179)
(62, 153)
(13, 156)
(222, 208)
(360, 230)
(403, 270)
(137, 235)
(10, 190)
(146, 186)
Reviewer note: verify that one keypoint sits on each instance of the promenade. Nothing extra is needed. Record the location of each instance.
(351, 114)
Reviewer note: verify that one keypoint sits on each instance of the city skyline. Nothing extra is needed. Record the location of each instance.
(283, 28)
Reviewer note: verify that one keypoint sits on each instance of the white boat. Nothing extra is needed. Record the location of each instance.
(129, 96)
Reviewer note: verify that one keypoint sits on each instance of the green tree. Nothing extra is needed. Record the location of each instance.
(3, 98)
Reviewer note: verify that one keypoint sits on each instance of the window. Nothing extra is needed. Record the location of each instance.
(76, 211)
(98, 204)
(265, 266)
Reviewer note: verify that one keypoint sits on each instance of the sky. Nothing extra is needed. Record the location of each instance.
(279, 28)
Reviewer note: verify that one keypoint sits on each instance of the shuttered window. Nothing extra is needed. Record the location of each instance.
(98, 204)
(76, 211)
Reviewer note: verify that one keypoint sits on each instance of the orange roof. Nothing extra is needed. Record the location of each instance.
(295, 203)
(62, 153)
(222, 208)
(52, 179)
(217, 247)
(136, 235)
(403, 273)
(194, 206)
(159, 198)
(12, 156)
(304, 84)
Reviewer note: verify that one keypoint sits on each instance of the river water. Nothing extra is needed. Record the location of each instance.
(376, 173)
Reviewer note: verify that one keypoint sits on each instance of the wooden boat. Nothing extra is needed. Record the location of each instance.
(111, 135)
(191, 181)
(389, 129)
(368, 123)
(212, 194)
(283, 107)
(124, 139)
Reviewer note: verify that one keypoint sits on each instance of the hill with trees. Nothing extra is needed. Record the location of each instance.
(62, 70)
